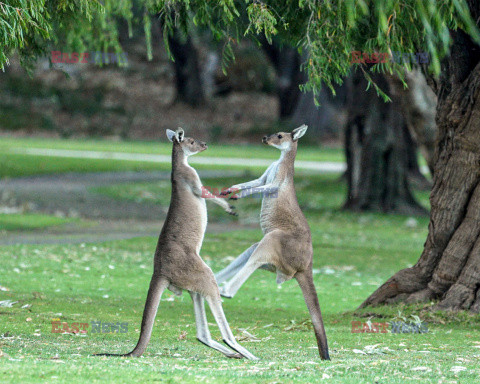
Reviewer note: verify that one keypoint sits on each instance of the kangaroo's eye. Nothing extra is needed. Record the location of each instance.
(191, 141)
(280, 136)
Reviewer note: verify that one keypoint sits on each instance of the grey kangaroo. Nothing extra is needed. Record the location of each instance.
(286, 247)
(177, 263)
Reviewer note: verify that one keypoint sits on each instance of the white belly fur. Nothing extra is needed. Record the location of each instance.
(203, 219)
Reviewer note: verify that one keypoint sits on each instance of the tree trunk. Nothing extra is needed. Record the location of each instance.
(329, 119)
(188, 78)
(449, 267)
(286, 61)
(376, 151)
(418, 104)
(415, 176)
(296, 107)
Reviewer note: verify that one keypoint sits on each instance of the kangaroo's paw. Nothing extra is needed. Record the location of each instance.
(224, 292)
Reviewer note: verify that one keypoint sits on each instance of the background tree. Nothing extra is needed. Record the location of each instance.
(377, 147)
(329, 31)
(324, 119)
(188, 79)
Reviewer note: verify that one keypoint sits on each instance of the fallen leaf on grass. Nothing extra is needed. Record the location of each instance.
(372, 350)
(182, 336)
(304, 325)
(426, 369)
(358, 351)
(7, 303)
(247, 336)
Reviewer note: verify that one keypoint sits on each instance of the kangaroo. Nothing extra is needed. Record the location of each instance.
(286, 247)
(177, 262)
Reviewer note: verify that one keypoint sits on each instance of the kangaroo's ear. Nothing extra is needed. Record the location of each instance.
(299, 132)
(170, 135)
(180, 134)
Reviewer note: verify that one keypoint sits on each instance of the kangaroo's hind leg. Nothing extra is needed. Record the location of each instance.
(305, 280)
(203, 333)
(263, 255)
(215, 304)
(235, 265)
(157, 286)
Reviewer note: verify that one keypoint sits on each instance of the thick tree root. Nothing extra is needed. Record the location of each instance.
(459, 297)
(397, 288)
(405, 286)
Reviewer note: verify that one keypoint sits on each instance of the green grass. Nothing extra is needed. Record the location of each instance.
(354, 253)
(313, 153)
(15, 165)
(30, 221)
(18, 164)
(108, 282)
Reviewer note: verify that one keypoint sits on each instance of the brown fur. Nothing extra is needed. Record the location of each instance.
(287, 243)
(177, 262)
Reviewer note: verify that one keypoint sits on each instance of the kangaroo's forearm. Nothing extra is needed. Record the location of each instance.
(268, 189)
(249, 184)
(220, 201)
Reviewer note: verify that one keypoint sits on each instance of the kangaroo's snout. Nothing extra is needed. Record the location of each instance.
(264, 140)
(203, 145)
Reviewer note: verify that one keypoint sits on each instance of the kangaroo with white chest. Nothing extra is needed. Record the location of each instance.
(177, 263)
(286, 247)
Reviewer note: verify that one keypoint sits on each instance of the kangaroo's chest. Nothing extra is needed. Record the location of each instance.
(193, 209)
(272, 175)
(271, 199)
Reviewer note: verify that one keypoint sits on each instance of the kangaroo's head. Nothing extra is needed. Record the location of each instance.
(285, 140)
(187, 144)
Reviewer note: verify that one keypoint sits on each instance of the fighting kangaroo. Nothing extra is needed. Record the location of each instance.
(286, 247)
(177, 262)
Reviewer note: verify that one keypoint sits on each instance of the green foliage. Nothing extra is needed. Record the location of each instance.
(328, 31)
(33, 27)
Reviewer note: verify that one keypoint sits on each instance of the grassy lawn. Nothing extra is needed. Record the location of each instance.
(29, 221)
(313, 153)
(107, 282)
(14, 163)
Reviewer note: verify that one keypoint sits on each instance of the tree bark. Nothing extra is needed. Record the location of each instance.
(188, 78)
(418, 104)
(329, 119)
(286, 61)
(449, 268)
(415, 176)
(377, 152)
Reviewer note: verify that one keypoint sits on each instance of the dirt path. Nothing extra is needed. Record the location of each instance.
(71, 195)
